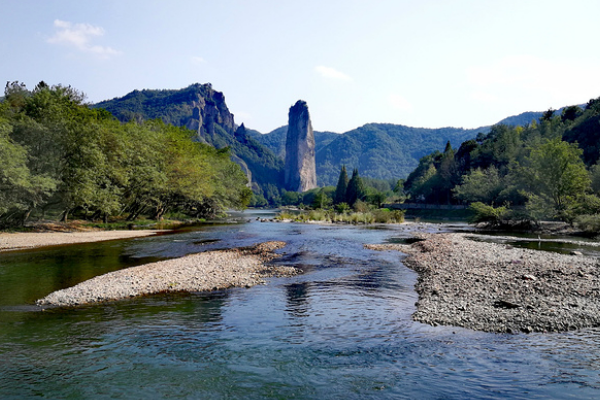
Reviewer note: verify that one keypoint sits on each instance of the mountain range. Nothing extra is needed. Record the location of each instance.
(381, 151)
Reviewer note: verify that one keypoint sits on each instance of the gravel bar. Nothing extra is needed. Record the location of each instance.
(498, 288)
(20, 241)
(212, 270)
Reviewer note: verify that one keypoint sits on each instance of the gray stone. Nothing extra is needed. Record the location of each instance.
(300, 169)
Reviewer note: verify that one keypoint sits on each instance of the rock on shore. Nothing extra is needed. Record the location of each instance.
(213, 270)
(497, 288)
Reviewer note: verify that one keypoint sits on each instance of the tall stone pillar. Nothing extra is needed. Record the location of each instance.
(300, 169)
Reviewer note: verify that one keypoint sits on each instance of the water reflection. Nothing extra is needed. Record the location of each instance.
(297, 296)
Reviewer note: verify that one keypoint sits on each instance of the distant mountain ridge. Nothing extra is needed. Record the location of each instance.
(378, 150)
(381, 151)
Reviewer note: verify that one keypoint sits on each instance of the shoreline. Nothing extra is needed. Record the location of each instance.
(31, 240)
(200, 272)
(498, 288)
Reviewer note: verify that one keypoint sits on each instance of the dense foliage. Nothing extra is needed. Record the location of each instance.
(171, 106)
(544, 170)
(57, 155)
(213, 124)
(351, 201)
(356, 193)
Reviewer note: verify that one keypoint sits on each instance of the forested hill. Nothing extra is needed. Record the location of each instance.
(548, 169)
(381, 151)
(202, 109)
(59, 157)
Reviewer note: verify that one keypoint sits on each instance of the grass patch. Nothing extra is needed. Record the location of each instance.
(384, 216)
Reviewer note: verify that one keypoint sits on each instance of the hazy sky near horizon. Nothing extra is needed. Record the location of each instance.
(427, 63)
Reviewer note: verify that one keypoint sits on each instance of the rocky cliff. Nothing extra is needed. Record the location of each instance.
(209, 110)
(203, 110)
(300, 169)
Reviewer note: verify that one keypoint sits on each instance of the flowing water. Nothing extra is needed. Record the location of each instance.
(342, 330)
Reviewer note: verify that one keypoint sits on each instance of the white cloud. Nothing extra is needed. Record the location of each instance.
(80, 36)
(400, 103)
(332, 73)
(198, 60)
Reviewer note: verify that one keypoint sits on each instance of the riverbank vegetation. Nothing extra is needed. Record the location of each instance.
(59, 158)
(351, 201)
(546, 170)
(380, 216)
(371, 191)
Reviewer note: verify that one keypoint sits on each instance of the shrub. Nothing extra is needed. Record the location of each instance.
(588, 223)
(487, 214)
(387, 216)
(342, 208)
(361, 207)
(285, 215)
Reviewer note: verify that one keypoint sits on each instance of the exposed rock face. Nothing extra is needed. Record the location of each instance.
(300, 170)
(203, 110)
(209, 108)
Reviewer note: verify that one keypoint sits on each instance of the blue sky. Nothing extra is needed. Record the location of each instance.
(419, 63)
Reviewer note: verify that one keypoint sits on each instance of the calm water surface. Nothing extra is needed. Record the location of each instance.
(340, 331)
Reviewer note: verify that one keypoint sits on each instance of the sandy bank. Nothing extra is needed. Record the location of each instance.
(17, 241)
(244, 267)
(498, 288)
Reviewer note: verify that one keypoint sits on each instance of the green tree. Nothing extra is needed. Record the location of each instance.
(57, 153)
(15, 178)
(356, 189)
(375, 197)
(321, 200)
(447, 175)
(479, 186)
(342, 187)
(558, 176)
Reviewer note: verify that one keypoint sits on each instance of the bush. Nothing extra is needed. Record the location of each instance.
(361, 207)
(317, 215)
(342, 208)
(588, 223)
(387, 216)
(380, 216)
(482, 213)
(285, 215)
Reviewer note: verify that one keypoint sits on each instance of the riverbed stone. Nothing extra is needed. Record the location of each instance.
(207, 271)
(489, 287)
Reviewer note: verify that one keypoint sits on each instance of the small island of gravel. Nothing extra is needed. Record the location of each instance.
(498, 288)
(212, 270)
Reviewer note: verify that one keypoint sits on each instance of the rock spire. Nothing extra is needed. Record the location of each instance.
(300, 169)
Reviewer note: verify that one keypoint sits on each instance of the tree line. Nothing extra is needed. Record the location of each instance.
(547, 169)
(60, 157)
(355, 193)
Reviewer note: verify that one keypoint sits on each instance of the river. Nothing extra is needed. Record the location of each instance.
(342, 330)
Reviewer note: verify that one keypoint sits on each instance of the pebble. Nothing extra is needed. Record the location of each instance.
(494, 288)
(212, 270)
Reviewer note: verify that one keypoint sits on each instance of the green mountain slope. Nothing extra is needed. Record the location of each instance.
(202, 109)
(383, 151)
(275, 140)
